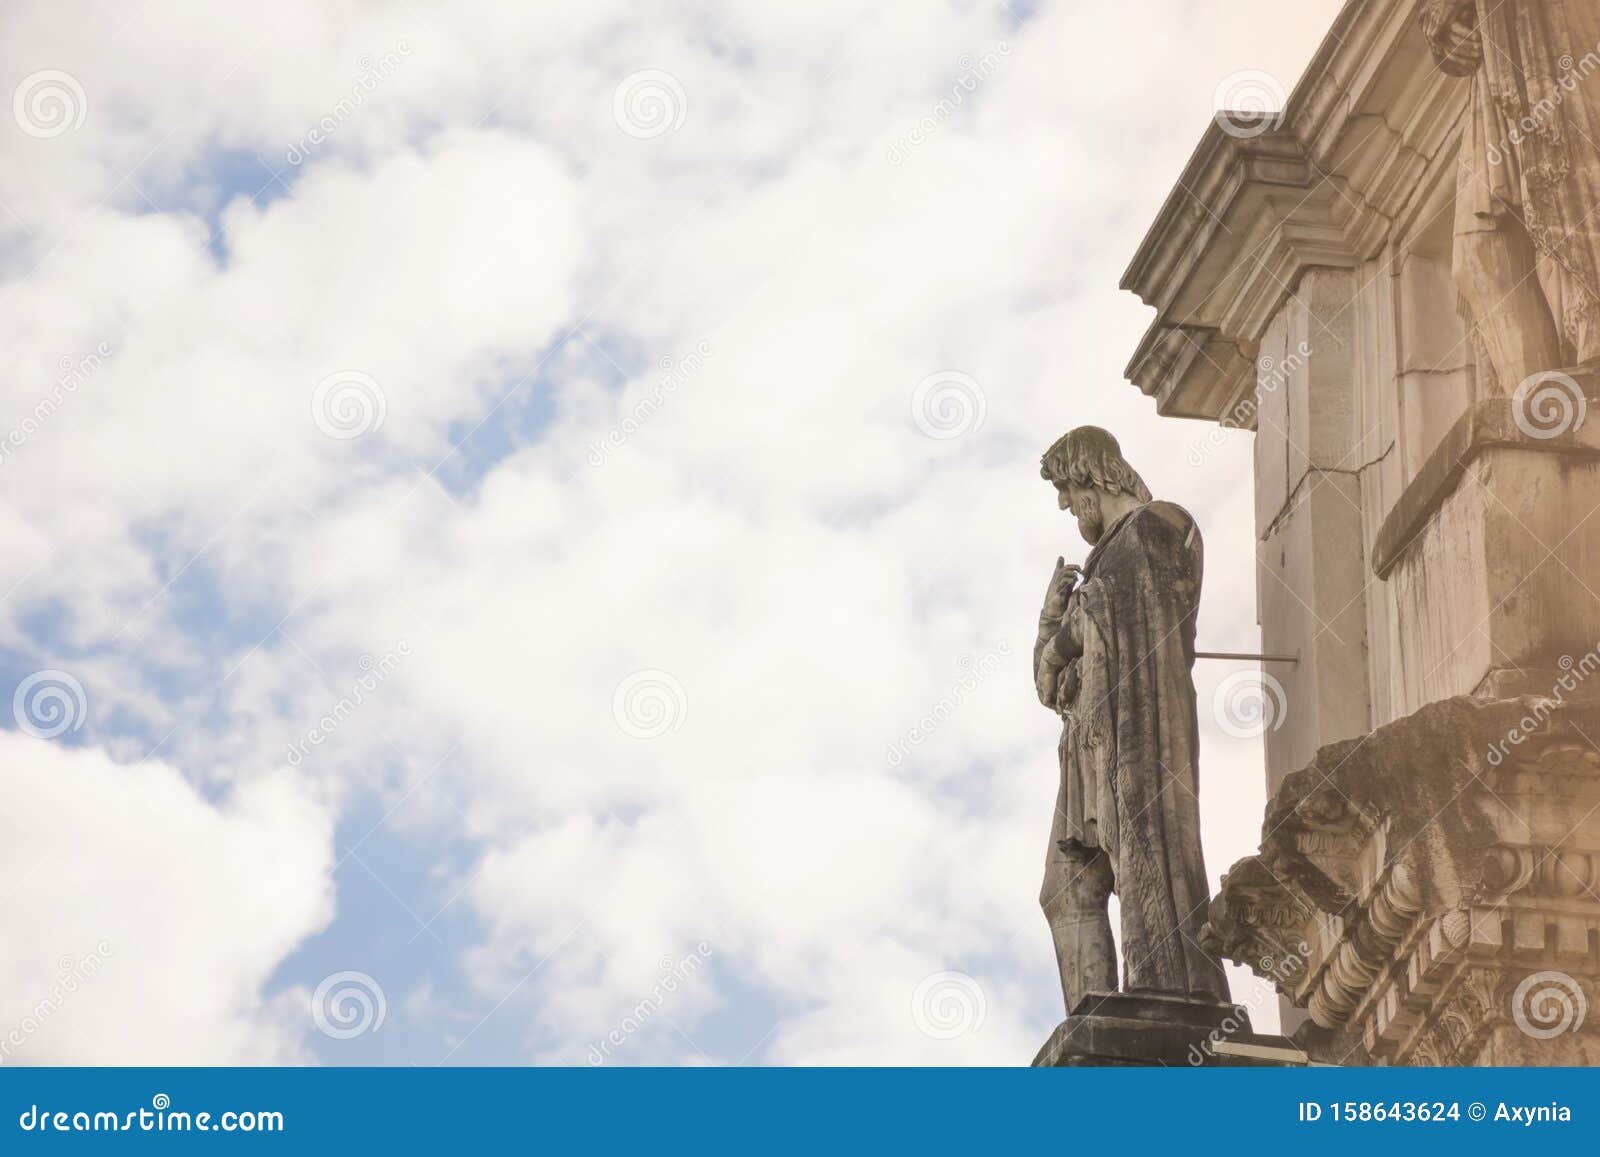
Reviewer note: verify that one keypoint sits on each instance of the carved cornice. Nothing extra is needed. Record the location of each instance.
(1395, 862)
(1345, 170)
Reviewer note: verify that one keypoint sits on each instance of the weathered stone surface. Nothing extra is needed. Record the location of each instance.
(1430, 889)
(1113, 659)
(1411, 251)
(1120, 1028)
(1491, 554)
(1527, 245)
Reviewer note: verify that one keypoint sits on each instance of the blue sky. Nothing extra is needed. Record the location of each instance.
(611, 716)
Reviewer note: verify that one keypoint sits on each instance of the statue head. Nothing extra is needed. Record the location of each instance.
(1091, 478)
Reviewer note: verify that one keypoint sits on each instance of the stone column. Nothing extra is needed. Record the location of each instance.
(1310, 575)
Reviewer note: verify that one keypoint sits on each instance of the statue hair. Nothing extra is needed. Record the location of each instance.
(1090, 456)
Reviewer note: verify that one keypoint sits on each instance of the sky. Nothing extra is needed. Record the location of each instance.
(523, 523)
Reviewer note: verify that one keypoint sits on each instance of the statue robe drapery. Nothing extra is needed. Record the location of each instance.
(1130, 743)
(1529, 150)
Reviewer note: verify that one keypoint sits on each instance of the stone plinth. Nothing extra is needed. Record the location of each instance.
(1122, 1028)
(1492, 551)
(1430, 890)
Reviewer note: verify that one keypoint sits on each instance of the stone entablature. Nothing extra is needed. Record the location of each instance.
(1396, 285)
(1300, 274)
(1431, 890)
(1351, 165)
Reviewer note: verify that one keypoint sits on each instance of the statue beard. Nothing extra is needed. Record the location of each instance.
(1091, 524)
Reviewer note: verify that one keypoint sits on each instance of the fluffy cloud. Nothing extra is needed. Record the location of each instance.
(739, 310)
(150, 919)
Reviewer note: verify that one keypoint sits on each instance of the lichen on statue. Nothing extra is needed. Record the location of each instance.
(1113, 658)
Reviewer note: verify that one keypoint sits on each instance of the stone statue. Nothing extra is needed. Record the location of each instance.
(1113, 658)
(1527, 225)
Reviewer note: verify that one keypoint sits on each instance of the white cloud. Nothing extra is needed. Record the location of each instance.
(777, 535)
(183, 907)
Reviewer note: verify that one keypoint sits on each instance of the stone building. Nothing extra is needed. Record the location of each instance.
(1391, 281)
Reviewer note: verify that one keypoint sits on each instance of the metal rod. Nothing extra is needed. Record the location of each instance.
(1246, 655)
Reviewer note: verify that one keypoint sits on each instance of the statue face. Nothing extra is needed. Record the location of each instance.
(1084, 503)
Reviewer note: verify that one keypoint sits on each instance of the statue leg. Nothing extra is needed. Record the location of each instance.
(1077, 885)
(1497, 275)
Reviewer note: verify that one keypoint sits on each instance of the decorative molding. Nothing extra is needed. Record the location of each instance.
(1368, 123)
(1414, 876)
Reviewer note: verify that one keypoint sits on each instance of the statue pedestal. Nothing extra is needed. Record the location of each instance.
(1131, 1028)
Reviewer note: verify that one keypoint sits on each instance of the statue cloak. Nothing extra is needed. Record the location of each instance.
(1130, 743)
(1529, 149)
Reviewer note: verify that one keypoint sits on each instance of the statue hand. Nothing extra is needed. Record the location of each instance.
(1062, 582)
(1067, 688)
